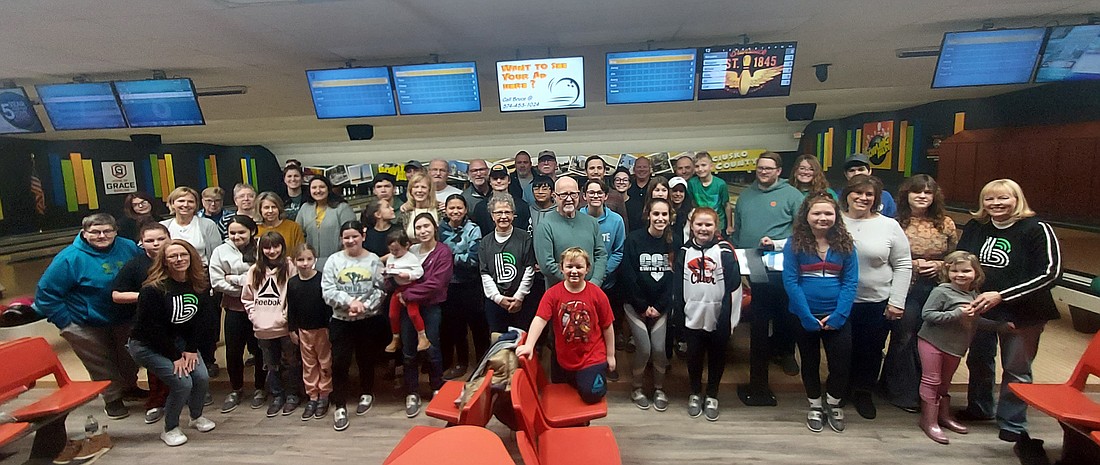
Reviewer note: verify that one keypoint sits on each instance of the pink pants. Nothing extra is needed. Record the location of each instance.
(316, 362)
(937, 369)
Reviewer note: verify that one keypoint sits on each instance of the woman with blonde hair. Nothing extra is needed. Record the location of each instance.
(201, 233)
(421, 200)
(809, 177)
(1022, 260)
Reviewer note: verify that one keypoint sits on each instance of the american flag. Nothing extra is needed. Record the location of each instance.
(36, 189)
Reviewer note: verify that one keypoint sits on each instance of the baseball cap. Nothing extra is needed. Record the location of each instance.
(541, 179)
(384, 177)
(856, 159)
(677, 181)
(498, 171)
(414, 164)
(547, 154)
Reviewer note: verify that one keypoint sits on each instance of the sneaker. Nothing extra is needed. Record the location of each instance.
(311, 408)
(815, 420)
(291, 404)
(366, 401)
(640, 400)
(213, 370)
(836, 418)
(412, 405)
(202, 424)
(154, 415)
(208, 399)
(788, 363)
(69, 452)
(340, 419)
(135, 394)
(116, 410)
(322, 409)
(456, 372)
(711, 410)
(613, 376)
(695, 406)
(232, 400)
(660, 401)
(174, 437)
(865, 405)
(259, 398)
(275, 407)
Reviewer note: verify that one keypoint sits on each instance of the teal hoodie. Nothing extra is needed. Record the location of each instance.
(76, 287)
(765, 212)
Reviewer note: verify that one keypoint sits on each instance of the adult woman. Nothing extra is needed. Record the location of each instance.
(199, 232)
(884, 271)
(292, 177)
(616, 199)
(271, 211)
(137, 209)
(321, 216)
(378, 219)
(646, 278)
(931, 235)
(429, 291)
(421, 200)
(358, 327)
(228, 266)
(809, 177)
(505, 287)
(464, 307)
(168, 331)
(1021, 259)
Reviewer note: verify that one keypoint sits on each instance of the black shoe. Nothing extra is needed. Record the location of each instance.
(613, 376)
(971, 415)
(455, 372)
(291, 404)
(789, 364)
(1031, 452)
(1012, 436)
(250, 362)
(116, 410)
(213, 370)
(259, 397)
(628, 345)
(322, 409)
(756, 396)
(865, 405)
(309, 411)
(134, 394)
(276, 406)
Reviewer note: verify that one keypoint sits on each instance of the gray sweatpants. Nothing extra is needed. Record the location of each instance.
(649, 344)
(102, 350)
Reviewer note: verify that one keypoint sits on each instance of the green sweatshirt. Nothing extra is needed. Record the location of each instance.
(764, 212)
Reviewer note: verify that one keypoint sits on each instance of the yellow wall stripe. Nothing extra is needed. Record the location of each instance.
(89, 181)
(78, 179)
(960, 122)
(171, 171)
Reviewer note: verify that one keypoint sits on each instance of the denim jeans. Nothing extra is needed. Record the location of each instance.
(432, 316)
(283, 363)
(1017, 352)
(189, 390)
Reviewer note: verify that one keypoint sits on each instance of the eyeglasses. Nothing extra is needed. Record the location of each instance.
(501, 214)
(622, 180)
(177, 257)
(766, 169)
(543, 187)
(569, 195)
(100, 232)
(594, 193)
(140, 203)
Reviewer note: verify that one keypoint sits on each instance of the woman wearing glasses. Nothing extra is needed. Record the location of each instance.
(137, 209)
(506, 262)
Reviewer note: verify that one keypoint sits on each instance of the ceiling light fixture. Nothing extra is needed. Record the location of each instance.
(917, 52)
(223, 90)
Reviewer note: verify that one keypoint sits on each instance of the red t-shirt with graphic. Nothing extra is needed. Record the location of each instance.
(577, 321)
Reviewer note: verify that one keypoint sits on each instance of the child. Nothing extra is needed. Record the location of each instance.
(307, 319)
(584, 340)
(263, 294)
(820, 275)
(404, 268)
(707, 190)
(950, 321)
(707, 286)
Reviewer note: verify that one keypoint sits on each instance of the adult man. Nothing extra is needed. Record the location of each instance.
(595, 168)
(858, 164)
(544, 205)
(213, 198)
(635, 203)
(438, 170)
(548, 164)
(765, 212)
(521, 178)
(412, 168)
(564, 229)
(479, 189)
(292, 201)
(384, 187)
(74, 294)
(501, 183)
(685, 166)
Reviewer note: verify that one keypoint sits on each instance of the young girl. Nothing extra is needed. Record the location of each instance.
(584, 340)
(950, 320)
(708, 289)
(264, 299)
(820, 275)
(307, 319)
(404, 268)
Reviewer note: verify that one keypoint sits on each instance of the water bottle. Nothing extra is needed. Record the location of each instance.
(91, 426)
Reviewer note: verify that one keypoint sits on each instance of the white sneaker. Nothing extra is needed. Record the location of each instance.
(173, 437)
(202, 424)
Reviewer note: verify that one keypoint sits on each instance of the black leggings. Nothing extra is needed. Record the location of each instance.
(238, 335)
(869, 331)
(712, 346)
(464, 308)
(838, 350)
(363, 339)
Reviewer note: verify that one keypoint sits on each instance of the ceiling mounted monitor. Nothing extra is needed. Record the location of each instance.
(437, 88)
(90, 105)
(351, 92)
(1071, 53)
(18, 112)
(159, 103)
(745, 71)
(983, 58)
(651, 76)
(542, 84)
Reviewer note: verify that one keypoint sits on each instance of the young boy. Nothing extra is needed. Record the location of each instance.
(711, 191)
(584, 340)
(858, 164)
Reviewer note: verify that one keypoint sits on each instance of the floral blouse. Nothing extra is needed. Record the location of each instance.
(928, 242)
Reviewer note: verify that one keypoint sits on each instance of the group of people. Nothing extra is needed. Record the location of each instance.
(645, 261)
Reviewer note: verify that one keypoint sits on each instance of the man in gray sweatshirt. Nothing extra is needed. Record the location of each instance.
(564, 229)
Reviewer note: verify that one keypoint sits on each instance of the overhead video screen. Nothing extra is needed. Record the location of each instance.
(542, 84)
(651, 76)
(351, 92)
(18, 112)
(437, 88)
(983, 58)
(89, 105)
(159, 102)
(745, 71)
(1072, 53)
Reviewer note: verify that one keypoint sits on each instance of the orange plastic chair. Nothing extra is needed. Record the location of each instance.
(11, 431)
(1095, 437)
(459, 445)
(1065, 402)
(25, 361)
(561, 403)
(477, 412)
(442, 405)
(539, 443)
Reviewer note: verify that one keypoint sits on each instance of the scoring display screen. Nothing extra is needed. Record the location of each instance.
(159, 102)
(982, 58)
(351, 92)
(437, 88)
(90, 105)
(742, 71)
(1072, 53)
(651, 76)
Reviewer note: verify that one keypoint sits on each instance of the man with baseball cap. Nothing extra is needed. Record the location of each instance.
(858, 163)
(413, 167)
(548, 164)
(501, 183)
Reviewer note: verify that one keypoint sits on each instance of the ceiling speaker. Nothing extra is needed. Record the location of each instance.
(554, 123)
(360, 131)
(801, 111)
